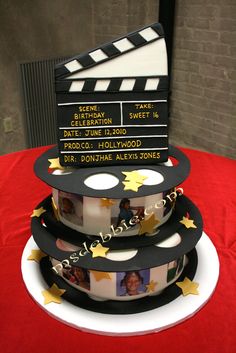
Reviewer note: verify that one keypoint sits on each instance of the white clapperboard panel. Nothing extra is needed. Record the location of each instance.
(112, 102)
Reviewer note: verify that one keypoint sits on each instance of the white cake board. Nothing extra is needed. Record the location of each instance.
(150, 321)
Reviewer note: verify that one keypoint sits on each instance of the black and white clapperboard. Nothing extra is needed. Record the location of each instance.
(112, 102)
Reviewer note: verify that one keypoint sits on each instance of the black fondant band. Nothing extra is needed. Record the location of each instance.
(74, 182)
(147, 256)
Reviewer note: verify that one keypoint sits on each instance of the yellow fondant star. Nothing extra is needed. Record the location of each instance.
(100, 275)
(99, 250)
(38, 212)
(134, 176)
(55, 164)
(36, 255)
(53, 294)
(151, 286)
(133, 180)
(107, 202)
(188, 287)
(55, 209)
(188, 222)
(131, 185)
(148, 225)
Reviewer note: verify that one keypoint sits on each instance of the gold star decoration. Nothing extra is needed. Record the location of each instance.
(133, 180)
(151, 286)
(188, 223)
(99, 250)
(188, 287)
(36, 255)
(55, 209)
(38, 212)
(135, 176)
(55, 164)
(147, 225)
(131, 185)
(100, 275)
(107, 202)
(53, 294)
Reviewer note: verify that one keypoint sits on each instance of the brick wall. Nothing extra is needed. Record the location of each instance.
(52, 30)
(203, 113)
(204, 64)
(34, 31)
(118, 17)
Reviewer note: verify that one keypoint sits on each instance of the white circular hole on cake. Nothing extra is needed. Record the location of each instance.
(168, 163)
(171, 242)
(62, 172)
(121, 255)
(101, 181)
(153, 177)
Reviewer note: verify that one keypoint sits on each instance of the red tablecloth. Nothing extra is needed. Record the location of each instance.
(27, 328)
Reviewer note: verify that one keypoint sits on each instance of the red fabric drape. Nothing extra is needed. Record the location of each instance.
(27, 328)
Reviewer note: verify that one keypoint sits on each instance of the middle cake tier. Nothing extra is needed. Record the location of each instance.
(123, 201)
(120, 217)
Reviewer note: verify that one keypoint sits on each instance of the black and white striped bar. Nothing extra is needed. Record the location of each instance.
(118, 84)
(111, 50)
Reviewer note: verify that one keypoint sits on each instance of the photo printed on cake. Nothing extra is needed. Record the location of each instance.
(71, 207)
(132, 282)
(127, 213)
(174, 268)
(77, 276)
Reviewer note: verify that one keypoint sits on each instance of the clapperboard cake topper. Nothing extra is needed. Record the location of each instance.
(112, 102)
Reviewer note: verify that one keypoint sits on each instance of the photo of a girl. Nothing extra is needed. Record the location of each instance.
(132, 282)
(67, 206)
(78, 276)
(71, 207)
(126, 212)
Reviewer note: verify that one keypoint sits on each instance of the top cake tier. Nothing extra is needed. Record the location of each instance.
(112, 102)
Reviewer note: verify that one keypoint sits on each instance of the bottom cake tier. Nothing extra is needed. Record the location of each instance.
(152, 313)
(141, 304)
(119, 269)
(122, 286)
